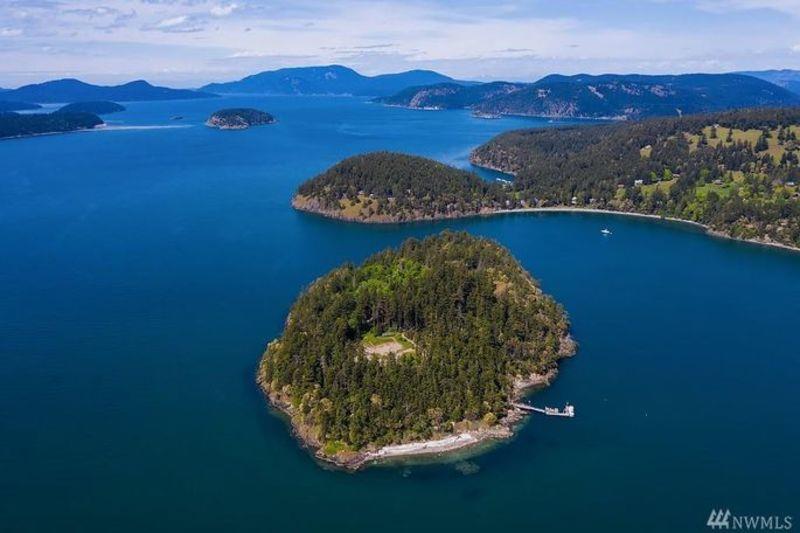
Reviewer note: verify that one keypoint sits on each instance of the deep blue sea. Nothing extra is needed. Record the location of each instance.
(142, 272)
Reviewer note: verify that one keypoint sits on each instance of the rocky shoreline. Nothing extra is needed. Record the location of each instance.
(239, 119)
(309, 207)
(444, 444)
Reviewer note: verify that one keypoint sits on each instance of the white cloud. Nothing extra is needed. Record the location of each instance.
(517, 39)
(791, 7)
(247, 54)
(172, 22)
(223, 10)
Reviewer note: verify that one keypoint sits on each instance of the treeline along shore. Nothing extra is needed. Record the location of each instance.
(735, 173)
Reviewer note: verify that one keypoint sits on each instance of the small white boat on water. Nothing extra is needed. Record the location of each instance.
(605, 231)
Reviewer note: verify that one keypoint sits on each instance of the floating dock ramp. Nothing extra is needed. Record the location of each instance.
(568, 411)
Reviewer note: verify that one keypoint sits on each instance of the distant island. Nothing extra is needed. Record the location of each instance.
(239, 118)
(18, 125)
(609, 96)
(98, 108)
(327, 80)
(72, 90)
(735, 173)
(421, 349)
(6, 106)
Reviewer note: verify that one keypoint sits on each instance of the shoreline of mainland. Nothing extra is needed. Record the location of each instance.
(305, 207)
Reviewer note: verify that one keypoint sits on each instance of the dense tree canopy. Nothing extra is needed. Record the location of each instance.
(735, 171)
(237, 118)
(17, 125)
(473, 316)
(397, 187)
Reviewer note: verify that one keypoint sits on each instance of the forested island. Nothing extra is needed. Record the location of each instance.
(422, 348)
(98, 108)
(736, 173)
(239, 118)
(18, 125)
(393, 187)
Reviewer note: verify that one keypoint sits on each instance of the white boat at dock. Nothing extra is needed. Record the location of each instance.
(568, 411)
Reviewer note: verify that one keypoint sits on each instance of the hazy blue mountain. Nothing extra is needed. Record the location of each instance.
(786, 78)
(604, 96)
(72, 90)
(450, 95)
(331, 79)
(17, 106)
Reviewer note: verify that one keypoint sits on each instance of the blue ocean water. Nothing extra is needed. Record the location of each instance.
(142, 271)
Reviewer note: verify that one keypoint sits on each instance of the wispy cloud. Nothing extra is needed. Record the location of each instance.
(203, 40)
(10, 32)
(791, 7)
(223, 10)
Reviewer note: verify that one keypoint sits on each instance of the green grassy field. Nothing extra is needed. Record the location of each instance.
(663, 186)
(776, 149)
(372, 340)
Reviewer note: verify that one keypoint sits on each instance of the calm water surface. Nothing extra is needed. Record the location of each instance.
(142, 271)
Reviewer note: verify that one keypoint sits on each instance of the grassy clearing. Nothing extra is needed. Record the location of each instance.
(775, 149)
(333, 447)
(723, 190)
(663, 186)
(355, 210)
(389, 343)
(371, 339)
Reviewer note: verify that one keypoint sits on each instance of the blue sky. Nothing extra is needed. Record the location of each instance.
(191, 42)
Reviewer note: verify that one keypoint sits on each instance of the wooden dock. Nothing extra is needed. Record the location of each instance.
(568, 411)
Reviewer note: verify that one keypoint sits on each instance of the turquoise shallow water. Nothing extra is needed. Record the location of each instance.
(143, 271)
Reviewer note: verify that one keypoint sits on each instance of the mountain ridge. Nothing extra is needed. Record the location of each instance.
(69, 90)
(605, 96)
(787, 78)
(326, 80)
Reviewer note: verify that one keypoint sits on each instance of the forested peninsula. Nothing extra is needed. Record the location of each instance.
(393, 187)
(419, 349)
(736, 173)
(18, 125)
